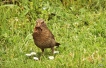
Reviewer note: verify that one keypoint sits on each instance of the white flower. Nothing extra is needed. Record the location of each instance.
(35, 58)
(28, 55)
(56, 52)
(44, 8)
(33, 53)
(51, 57)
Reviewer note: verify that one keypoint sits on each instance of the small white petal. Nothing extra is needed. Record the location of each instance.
(44, 8)
(28, 54)
(51, 57)
(33, 53)
(35, 58)
(56, 52)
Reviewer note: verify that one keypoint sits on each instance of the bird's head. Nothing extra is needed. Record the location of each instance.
(40, 23)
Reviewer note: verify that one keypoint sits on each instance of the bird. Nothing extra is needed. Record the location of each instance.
(43, 37)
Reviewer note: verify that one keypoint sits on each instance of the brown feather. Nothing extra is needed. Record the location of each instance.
(43, 37)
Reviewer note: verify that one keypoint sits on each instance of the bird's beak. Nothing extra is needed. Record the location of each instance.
(38, 25)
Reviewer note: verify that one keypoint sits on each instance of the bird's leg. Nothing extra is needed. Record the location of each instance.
(52, 48)
(42, 51)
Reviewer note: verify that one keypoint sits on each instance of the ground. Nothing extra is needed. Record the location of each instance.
(79, 26)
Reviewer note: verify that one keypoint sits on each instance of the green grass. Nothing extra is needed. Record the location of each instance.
(80, 27)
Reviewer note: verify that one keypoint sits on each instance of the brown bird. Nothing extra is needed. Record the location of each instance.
(43, 37)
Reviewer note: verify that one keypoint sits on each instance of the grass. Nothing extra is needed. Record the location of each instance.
(80, 27)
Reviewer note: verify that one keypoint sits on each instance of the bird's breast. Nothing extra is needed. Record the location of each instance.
(42, 39)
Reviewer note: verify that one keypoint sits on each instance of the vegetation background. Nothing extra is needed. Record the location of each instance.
(79, 25)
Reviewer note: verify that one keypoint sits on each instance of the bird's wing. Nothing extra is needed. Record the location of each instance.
(52, 36)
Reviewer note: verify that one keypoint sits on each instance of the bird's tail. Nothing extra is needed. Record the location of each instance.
(57, 44)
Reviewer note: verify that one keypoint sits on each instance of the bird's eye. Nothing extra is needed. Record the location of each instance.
(42, 22)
